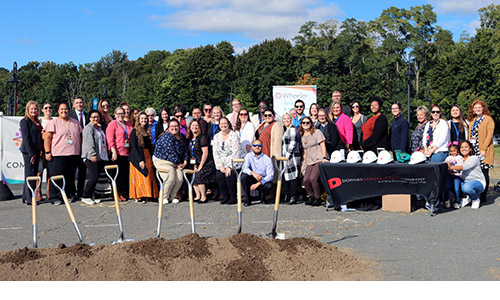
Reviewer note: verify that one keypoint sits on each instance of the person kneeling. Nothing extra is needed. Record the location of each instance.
(258, 173)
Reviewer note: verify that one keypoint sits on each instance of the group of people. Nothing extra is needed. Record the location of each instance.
(208, 141)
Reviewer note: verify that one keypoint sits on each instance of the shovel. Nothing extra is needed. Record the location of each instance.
(38, 182)
(66, 202)
(281, 170)
(238, 189)
(160, 198)
(190, 193)
(117, 205)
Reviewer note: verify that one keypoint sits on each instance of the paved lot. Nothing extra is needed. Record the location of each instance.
(455, 245)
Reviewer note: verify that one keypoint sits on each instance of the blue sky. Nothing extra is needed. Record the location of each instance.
(84, 31)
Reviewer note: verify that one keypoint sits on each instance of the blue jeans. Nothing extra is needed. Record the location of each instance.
(439, 156)
(472, 189)
(454, 184)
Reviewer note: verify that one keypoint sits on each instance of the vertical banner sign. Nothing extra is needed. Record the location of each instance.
(11, 157)
(95, 103)
(284, 97)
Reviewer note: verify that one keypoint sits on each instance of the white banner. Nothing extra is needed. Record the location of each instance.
(284, 97)
(11, 141)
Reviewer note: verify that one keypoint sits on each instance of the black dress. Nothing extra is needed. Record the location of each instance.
(207, 173)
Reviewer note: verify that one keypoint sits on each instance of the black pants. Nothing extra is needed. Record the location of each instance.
(248, 180)
(226, 184)
(82, 171)
(29, 170)
(486, 173)
(66, 166)
(290, 187)
(123, 176)
(93, 171)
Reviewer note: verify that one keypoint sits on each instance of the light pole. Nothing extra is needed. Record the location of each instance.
(409, 74)
(427, 98)
(13, 79)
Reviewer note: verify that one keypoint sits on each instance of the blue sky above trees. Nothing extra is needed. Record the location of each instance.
(82, 32)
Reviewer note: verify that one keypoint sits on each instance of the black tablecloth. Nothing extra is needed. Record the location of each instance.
(347, 182)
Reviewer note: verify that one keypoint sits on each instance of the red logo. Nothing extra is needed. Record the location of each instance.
(334, 182)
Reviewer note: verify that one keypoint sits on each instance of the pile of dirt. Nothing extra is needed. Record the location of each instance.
(239, 257)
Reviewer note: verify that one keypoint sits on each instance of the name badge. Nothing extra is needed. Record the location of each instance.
(126, 145)
(69, 141)
(473, 141)
(192, 161)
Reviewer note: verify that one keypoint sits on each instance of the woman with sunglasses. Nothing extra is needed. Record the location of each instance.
(314, 153)
(290, 149)
(207, 112)
(245, 130)
(179, 116)
(103, 108)
(358, 119)
(481, 137)
(436, 136)
(374, 131)
(226, 147)
(47, 114)
(270, 133)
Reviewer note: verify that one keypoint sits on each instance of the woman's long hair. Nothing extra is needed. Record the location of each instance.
(461, 119)
(27, 111)
(140, 131)
(471, 115)
(105, 116)
(312, 128)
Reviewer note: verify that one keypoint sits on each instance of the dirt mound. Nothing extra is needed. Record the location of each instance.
(239, 257)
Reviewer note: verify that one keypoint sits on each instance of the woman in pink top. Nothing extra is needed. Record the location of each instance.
(343, 122)
(118, 138)
(62, 142)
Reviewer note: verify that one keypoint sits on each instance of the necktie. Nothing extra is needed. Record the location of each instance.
(81, 119)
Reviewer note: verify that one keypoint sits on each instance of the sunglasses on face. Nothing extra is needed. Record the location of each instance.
(268, 115)
(435, 112)
(243, 114)
(178, 116)
(105, 105)
(257, 145)
(207, 109)
(306, 123)
(355, 106)
(299, 106)
(47, 107)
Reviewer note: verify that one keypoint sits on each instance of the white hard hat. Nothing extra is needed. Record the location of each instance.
(353, 157)
(337, 156)
(384, 157)
(417, 157)
(369, 157)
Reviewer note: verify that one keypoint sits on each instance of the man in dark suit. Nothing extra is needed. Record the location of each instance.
(82, 118)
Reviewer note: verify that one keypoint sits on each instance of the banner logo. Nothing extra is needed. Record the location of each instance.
(334, 182)
(18, 140)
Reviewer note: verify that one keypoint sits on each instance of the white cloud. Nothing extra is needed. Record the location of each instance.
(256, 19)
(473, 26)
(464, 7)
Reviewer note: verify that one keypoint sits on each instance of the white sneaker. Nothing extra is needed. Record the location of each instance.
(165, 201)
(175, 200)
(96, 201)
(475, 204)
(88, 201)
(456, 205)
(465, 201)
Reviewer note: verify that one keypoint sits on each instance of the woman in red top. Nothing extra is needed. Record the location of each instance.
(374, 131)
(118, 138)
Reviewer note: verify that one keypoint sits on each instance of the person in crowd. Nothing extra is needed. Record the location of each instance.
(142, 174)
(358, 119)
(374, 131)
(196, 112)
(79, 115)
(31, 148)
(62, 142)
(258, 118)
(200, 160)
(337, 96)
(126, 111)
(459, 127)
(270, 133)
(179, 116)
(226, 147)
(161, 125)
(258, 173)
(94, 154)
(118, 138)
(454, 181)
(290, 149)
(207, 112)
(213, 127)
(418, 133)
(171, 153)
(103, 108)
(481, 136)
(313, 113)
(47, 113)
(152, 121)
(400, 130)
(245, 130)
(343, 122)
(233, 116)
(133, 116)
(293, 113)
(473, 180)
(314, 153)
(299, 108)
(329, 129)
(436, 136)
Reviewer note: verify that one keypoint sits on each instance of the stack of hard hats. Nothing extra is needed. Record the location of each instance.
(384, 157)
(336, 157)
(369, 157)
(417, 157)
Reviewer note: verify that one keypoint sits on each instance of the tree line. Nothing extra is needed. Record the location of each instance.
(361, 59)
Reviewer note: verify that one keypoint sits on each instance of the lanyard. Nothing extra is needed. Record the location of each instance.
(322, 128)
(192, 146)
(476, 122)
(124, 128)
(214, 128)
(335, 121)
(456, 129)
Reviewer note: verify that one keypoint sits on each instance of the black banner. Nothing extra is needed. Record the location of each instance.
(348, 182)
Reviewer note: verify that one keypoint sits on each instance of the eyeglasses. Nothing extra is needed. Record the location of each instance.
(268, 115)
(105, 105)
(178, 116)
(306, 123)
(207, 109)
(435, 112)
(243, 114)
(262, 106)
(355, 106)
(257, 145)
(47, 107)
(299, 106)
